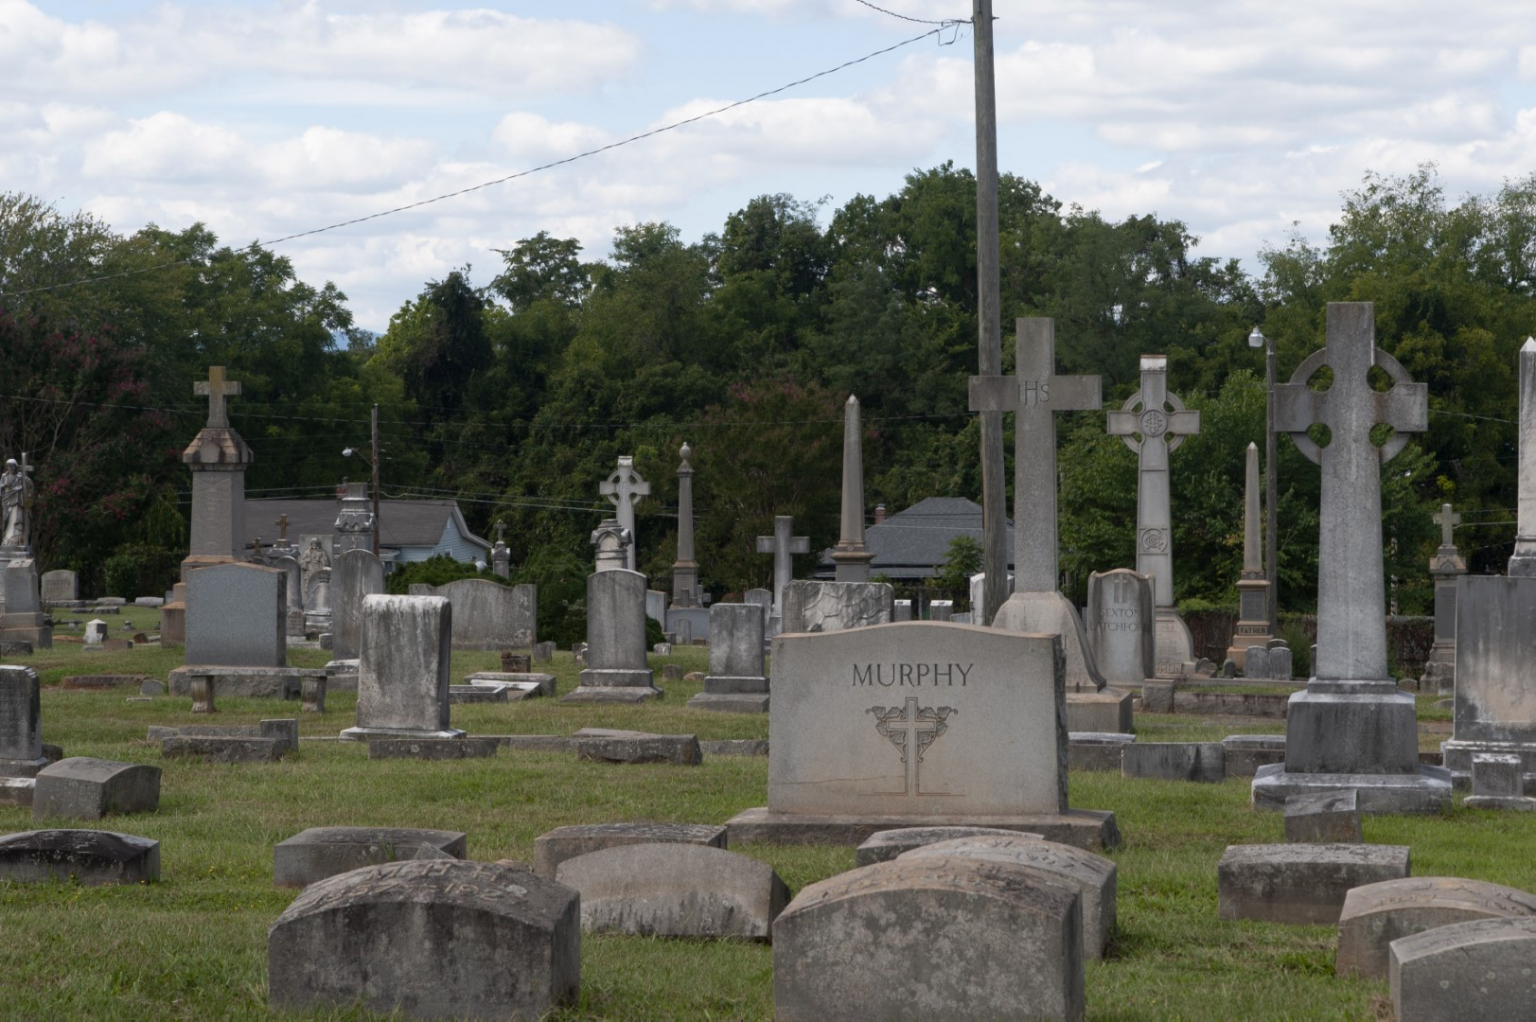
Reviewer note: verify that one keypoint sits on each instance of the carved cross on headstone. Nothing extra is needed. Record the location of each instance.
(624, 488)
(1036, 394)
(282, 529)
(1351, 595)
(912, 729)
(783, 546)
(1159, 418)
(501, 532)
(1447, 520)
(216, 389)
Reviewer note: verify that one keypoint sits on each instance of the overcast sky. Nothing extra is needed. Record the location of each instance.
(268, 118)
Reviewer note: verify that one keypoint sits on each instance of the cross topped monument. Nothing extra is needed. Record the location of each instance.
(1445, 567)
(1524, 560)
(1447, 520)
(1352, 726)
(1161, 423)
(624, 488)
(216, 389)
(783, 545)
(1036, 394)
(282, 529)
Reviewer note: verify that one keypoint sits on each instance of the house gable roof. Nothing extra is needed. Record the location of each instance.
(909, 543)
(404, 523)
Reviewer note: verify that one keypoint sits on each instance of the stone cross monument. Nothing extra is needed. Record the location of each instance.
(624, 488)
(1446, 566)
(1523, 563)
(851, 556)
(685, 570)
(218, 458)
(783, 545)
(501, 556)
(1252, 586)
(1036, 395)
(1161, 422)
(1352, 727)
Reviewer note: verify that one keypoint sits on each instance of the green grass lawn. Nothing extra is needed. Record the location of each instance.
(193, 946)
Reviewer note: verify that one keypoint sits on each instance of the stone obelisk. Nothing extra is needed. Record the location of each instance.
(1524, 560)
(1352, 727)
(685, 570)
(851, 555)
(1252, 586)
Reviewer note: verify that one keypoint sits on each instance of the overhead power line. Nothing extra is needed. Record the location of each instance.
(509, 177)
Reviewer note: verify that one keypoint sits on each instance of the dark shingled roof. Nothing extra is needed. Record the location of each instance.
(405, 523)
(909, 543)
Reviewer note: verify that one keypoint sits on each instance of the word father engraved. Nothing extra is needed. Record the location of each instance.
(915, 675)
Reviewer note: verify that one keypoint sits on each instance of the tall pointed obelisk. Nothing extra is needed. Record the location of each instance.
(685, 570)
(1252, 587)
(1524, 560)
(850, 555)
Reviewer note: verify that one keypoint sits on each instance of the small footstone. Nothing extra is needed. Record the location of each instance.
(1477, 971)
(888, 844)
(434, 939)
(1377, 914)
(553, 847)
(1096, 750)
(1157, 697)
(211, 749)
(950, 938)
(608, 746)
(151, 687)
(432, 748)
(92, 857)
(735, 747)
(1303, 884)
(1327, 817)
(1175, 761)
(675, 890)
(84, 788)
(672, 672)
(1498, 782)
(1246, 753)
(462, 694)
(320, 852)
(1092, 876)
(17, 791)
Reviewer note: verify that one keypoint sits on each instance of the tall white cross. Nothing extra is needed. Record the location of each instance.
(624, 488)
(216, 389)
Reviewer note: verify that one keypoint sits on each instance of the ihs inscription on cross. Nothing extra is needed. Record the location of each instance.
(1036, 394)
(1351, 599)
(216, 388)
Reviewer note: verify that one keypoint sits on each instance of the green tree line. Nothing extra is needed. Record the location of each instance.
(516, 390)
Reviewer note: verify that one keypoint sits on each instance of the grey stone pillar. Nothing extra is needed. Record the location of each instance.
(685, 570)
(851, 555)
(1252, 587)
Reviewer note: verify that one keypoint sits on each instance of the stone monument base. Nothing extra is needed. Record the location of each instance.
(22, 767)
(362, 734)
(614, 685)
(243, 682)
(1458, 759)
(1439, 675)
(33, 628)
(1053, 614)
(1083, 828)
(730, 702)
(1426, 790)
(1108, 710)
(1351, 727)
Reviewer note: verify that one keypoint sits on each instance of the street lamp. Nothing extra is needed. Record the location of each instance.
(1271, 479)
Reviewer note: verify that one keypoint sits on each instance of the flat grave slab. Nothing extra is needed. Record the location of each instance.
(319, 852)
(435, 939)
(1477, 971)
(1304, 884)
(1377, 914)
(217, 749)
(1246, 753)
(432, 748)
(553, 847)
(951, 938)
(84, 788)
(888, 844)
(1096, 750)
(91, 857)
(611, 746)
(535, 681)
(1175, 761)
(675, 890)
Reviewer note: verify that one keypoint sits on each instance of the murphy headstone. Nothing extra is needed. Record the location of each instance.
(917, 724)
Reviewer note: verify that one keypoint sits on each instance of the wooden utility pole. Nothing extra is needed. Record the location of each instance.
(989, 342)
